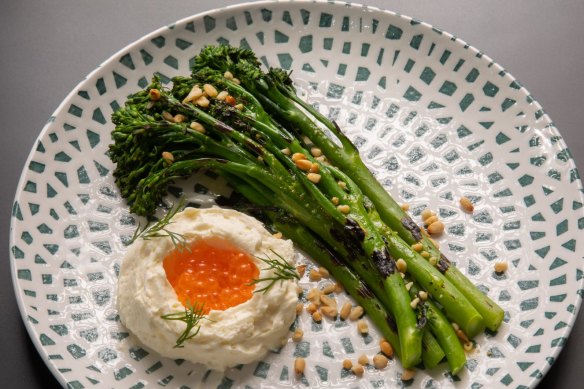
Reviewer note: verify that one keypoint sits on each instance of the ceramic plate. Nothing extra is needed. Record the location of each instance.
(435, 120)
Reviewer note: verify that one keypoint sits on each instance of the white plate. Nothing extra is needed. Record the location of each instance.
(434, 118)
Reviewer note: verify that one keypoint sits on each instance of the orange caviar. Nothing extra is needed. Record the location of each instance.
(216, 274)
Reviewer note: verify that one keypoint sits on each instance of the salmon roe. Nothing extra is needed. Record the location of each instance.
(216, 274)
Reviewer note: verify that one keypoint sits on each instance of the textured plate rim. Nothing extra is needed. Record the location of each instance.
(32, 333)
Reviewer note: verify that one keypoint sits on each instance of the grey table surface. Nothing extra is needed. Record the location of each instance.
(48, 47)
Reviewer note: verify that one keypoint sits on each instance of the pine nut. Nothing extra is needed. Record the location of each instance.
(358, 370)
(299, 366)
(167, 116)
(414, 303)
(194, 94)
(462, 336)
(356, 313)
(236, 80)
(330, 312)
(423, 295)
(436, 228)
(386, 348)
(418, 247)
(468, 346)
(380, 361)
(298, 157)
(210, 90)
(338, 288)
(347, 364)
(431, 220)
(362, 327)
(433, 261)
(228, 75)
(466, 204)
(301, 269)
(239, 107)
(425, 254)
(317, 316)
(179, 118)
(222, 95)
(314, 295)
(330, 288)
(298, 334)
(426, 213)
(303, 164)
(401, 265)
(197, 127)
(314, 168)
(316, 152)
(408, 374)
(154, 94)
(405, 207)
(363, 360)
(167, 156)
(344, 208)
(311, 308)
(313, 177)
(329, 302)
(335, 200)
(230, 100)
(299, 308)
(323, 272)
(501, 267)
(314, 275)
(346, 310)
(285, 151)
(203, 102)
(342, 184)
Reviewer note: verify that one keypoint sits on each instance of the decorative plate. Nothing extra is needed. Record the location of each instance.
(434, 118)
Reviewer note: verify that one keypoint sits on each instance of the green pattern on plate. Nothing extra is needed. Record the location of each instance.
(432, 116)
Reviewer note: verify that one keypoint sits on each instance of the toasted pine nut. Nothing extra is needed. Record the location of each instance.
(358, 370)
(380, 361)
(236, 80)
(285, 151)
(344, 208)
(210, 90)
(167, 156)
(323, 272)
(462, 336)
(409, 286)
(347, 364)
(342, 184)
(314, 275)
(426, 213)
(179, 118)
(338, 287)
(311, 308)
(301, 269)
(431, 220)
(468, 346)
(414, 303)
(362, 327)
(345, 310)
(408, 374)
(222, 95)
(299, 366)
(239, 106)
(401, 265)
(335, 200)
(356, 313)
(230, 100)
(436, 228)
(228, 75)
(433, 261)
(316, 152)
(298, 156)
(167, 116)
(321, 159)
(405, 207)
(455, 326)
(197, 127)
(330, 312)
(313, 177)
(314, 295)
(317, 316)
(418, 247)
(425, 254)
(299, 308)
(314, 168)
(330, 288)
(423, 295)
(386, 348)
(501, 267)
(329, 302)
(203, 101)
(298, 334)
(303, 164)
(363, 360)
(154, 94)
(194, 94)
(466, 204)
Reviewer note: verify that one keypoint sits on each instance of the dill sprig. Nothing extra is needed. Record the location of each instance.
(191, 316)
(159, 229)
(282, 269)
